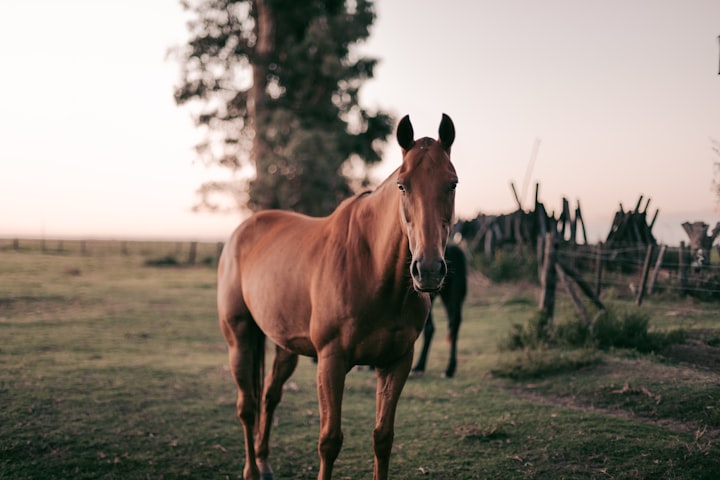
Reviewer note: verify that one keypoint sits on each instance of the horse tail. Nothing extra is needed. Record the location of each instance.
(258, 380)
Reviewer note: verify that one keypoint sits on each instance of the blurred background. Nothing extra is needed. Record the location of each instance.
(599, 103)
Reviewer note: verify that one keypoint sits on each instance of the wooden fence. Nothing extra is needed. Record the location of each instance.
(584, 269)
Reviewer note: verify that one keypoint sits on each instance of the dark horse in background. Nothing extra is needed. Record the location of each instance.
(452, 293)
(352, 288)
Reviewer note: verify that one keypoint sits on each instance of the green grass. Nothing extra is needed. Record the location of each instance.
(113, 369)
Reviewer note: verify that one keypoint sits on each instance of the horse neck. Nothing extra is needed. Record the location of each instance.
(379, 217)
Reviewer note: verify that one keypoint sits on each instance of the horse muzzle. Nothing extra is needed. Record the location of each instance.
(428, 276)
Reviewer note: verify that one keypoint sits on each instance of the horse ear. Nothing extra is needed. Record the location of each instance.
(405, 134)
(447, 132)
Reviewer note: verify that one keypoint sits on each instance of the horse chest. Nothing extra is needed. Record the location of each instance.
(385, 337)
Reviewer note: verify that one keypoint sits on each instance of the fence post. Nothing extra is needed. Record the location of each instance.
(192, 254)
(572, 293)
(644, 275)
(579, 218)
(16, 244)
(598, 268)
(540, 255)
(570, 271)
(489, 244)
(656, 270)
(548, 279)
(682, 269)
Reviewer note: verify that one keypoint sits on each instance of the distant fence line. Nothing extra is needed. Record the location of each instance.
(641, 270)
(186, 252)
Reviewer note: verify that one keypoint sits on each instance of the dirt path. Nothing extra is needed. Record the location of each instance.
(699, 432)
(692, 363)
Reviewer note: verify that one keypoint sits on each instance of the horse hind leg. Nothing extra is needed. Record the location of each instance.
(428, 332)
(452, 337)
(453, 296)
(246, 354)
(283, 367)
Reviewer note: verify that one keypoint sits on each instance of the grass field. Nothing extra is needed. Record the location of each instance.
(113, 369)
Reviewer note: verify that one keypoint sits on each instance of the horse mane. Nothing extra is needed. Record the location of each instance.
(353, 227)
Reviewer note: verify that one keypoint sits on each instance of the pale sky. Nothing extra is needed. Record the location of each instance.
(624, 98)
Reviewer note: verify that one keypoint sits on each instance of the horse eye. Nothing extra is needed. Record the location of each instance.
(401, 187)
(453, 186)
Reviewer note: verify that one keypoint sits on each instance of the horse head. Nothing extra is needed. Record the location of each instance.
(427, 181)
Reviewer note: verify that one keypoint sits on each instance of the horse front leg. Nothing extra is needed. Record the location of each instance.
(331, 373)
(283, 367)
(390, 383)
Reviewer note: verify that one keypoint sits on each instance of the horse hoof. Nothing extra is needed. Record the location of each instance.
(267, 476)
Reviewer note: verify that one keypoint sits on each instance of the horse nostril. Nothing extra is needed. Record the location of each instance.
(415, 269)
(442, 271)
(428, 271)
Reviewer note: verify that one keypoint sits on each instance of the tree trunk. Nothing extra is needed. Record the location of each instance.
(700, 241)
(257, 112)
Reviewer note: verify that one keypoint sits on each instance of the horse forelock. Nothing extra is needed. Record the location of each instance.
(425, 142)
(420, 150)
(427, 152)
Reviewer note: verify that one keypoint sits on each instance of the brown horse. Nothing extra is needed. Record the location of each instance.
(351, 288)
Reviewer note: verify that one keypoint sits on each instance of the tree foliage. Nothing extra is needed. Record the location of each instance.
(274, 84)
